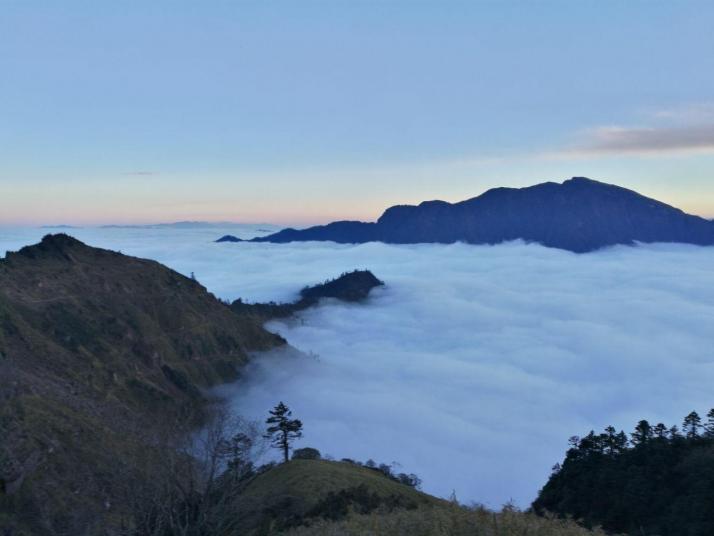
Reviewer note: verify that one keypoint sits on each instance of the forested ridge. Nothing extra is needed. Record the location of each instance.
(659, 480)
(351, 286)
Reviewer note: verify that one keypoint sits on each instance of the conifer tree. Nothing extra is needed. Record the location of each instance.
(614, 442)
(661, 431)
(642, 433)
(709, 426)
(282, 430)
(692, 424)
(661, 483)
(610, 440)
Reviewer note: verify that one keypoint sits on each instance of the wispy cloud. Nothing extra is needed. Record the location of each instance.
(687, 129)
(701, 112)
(645, 141)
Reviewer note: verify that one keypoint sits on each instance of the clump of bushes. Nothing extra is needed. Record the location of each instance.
(360, 500)
(307, 453)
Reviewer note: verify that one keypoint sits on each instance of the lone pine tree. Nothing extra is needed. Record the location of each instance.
(282, 430)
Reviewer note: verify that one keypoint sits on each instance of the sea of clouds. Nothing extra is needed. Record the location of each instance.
(474, 364)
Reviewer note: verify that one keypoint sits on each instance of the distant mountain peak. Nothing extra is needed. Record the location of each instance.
(59, 240)
(229, 238)
(584, 180)
(579, 215)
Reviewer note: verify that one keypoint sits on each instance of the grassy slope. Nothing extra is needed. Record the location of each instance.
(99, 353)
(310, 480)
(452, 520)
(301, 484)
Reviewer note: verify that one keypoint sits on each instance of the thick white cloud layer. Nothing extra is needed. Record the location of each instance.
(474, 364)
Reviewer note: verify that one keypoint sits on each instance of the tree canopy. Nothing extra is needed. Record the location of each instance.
(660, 481)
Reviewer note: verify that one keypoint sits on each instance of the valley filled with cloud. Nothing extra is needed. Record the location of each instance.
(473, 364)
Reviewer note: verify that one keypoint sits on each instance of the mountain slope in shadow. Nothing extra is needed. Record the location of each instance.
(101, 355)
(105, 361)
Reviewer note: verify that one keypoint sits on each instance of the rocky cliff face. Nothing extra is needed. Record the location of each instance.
(579, 215)
(98, 351)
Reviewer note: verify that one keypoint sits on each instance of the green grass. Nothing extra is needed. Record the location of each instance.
(451, 520)
(293, 488)
(299, 485)
(86, 339)
(313, 479)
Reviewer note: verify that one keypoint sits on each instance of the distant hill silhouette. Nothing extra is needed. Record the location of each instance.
(349, 287)
(579, 215)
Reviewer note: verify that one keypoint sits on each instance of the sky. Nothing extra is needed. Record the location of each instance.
(304, 112)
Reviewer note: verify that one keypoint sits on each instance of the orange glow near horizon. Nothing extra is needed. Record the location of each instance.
(291, 217)
(117, 215)
(283, 202)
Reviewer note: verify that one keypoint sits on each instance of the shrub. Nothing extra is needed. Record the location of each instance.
(306, 453)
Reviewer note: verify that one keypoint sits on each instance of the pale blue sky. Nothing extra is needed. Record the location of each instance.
(302, 112)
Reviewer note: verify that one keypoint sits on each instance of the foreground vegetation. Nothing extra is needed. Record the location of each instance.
(450, 520)
(212, 487)
(659, 481)
(321, 497)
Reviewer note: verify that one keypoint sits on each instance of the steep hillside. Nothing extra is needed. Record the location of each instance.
(100, 353)
(578, 215)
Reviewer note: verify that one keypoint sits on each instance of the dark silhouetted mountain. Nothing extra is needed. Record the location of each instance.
(229, 238)
(578, 215)
(350, 287)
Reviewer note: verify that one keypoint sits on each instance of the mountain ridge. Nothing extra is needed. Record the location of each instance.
(352, 286)
(579, 215)
(105, 365)
(101, 354)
